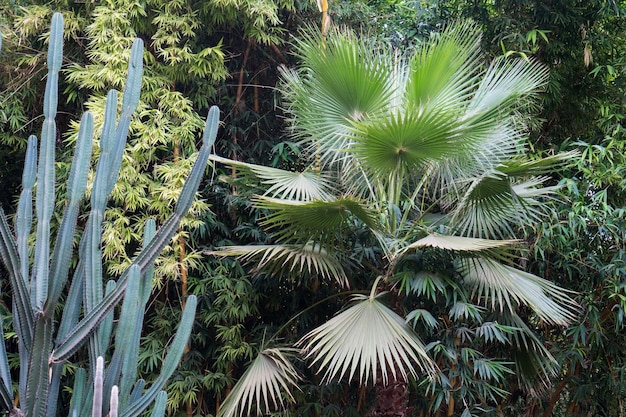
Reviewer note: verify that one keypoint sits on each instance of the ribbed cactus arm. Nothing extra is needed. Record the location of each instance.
(44, 203)
(6, 391)
(24, 215)
(75, 338)
(177, 347)
(77, 183)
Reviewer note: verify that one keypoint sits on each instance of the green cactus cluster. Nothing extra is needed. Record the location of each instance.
(39, 276)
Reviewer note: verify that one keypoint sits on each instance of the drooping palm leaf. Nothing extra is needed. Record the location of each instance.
(459, 243)
(303, 220)
(301, 186)
(505, 288)
(264, 386)
(534, 362)
(492, 206)
(309, 258)
(367, 338)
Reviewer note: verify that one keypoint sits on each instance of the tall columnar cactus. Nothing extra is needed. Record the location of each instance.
(46, 341)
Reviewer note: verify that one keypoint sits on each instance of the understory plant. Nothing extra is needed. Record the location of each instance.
(54, 316)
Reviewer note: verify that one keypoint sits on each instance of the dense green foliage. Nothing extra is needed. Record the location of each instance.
(229, 52)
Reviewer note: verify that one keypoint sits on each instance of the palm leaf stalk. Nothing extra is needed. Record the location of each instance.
(47, 341)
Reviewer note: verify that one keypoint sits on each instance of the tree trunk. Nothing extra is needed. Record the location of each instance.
(392, 400)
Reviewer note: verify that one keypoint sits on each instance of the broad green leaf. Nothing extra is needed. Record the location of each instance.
(298, 220)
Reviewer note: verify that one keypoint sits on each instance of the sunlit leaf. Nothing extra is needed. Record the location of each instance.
(302, 186)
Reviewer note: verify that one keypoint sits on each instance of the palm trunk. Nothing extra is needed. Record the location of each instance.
(391, 400)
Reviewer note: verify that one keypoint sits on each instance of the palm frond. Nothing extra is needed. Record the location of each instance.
(492, 206)
(344, 78)
(504, 83)
(524, 167)
(459, 243)
(406, 141)
(265, 384)
(453, 56)
(274, 259)
(304, 220)
(367, 338)
(302, 186)
(534, 362)
(506, 288)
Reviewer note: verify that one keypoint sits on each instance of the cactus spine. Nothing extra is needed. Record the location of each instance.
(46, 341)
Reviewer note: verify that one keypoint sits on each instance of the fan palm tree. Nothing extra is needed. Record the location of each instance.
(426, 154)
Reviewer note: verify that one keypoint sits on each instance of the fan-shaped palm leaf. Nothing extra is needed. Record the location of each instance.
(453, 56)
(266, 383)
(344, 79)
(367, 338)
(459, 243)
(274, 259)
(302, 186)
(302, 220)
(492, 206)
(533, 360)
(506, 287)
(504, 84)
(404, 142)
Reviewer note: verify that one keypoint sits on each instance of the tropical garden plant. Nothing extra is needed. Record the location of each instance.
(53, 322)
(415, 196)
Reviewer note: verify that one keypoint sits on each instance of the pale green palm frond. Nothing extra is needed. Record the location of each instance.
(366, 339)
(302, 186)
(303, 220)
(406, 142)
(343, 79)
(522, 166)
(266, 384)
(504, 83)
(274, 259)
(460, 243)
(505, 288)
(492, 206)
(443, 71)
